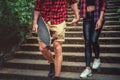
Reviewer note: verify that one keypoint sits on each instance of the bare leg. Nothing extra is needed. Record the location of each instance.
(46, 52)
(58, 57)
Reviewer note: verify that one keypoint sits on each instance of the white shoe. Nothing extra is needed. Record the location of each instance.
(86, 73)
(96, 64)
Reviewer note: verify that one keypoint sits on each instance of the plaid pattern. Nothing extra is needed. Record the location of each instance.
(99, 5)
(54, 11)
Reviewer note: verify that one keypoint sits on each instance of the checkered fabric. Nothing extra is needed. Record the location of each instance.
(100, 5)
(54, 11)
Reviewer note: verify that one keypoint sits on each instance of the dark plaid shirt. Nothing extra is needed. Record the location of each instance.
(53, 10)
(100, 5)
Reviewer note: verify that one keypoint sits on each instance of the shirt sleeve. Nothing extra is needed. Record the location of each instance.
(103, 7)
(37, 5)
(72, 2)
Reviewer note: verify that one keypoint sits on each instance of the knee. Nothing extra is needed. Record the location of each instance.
(58, 51)
(57, 45)
(57, 48)
(94, 42)
(43, 49)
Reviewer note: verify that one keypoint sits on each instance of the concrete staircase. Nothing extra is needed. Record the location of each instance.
(29, 64)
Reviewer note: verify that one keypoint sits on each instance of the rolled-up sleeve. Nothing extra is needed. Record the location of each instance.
(103, 7)
(37, 5)
(72, 2)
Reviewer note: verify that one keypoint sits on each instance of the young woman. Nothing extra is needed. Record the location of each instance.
(92, 12)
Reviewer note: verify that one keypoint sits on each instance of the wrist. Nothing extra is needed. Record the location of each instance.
(77, 17)
(34, 22)
(100, 19)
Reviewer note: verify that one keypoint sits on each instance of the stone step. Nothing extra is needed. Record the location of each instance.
(112, 7)
(105, 28)
(113, 1)
(74, 48)
(106, 18)
(71, 15)
(80, 40)
(106, 14)
(109, 3)
(115, 4)
(80, 34)
(108, 7)
(105, 68)
(103, 34)
(106, 23)
(107, 10)
(21, 74)
(69, 56)
(111, 18)
(102, 40)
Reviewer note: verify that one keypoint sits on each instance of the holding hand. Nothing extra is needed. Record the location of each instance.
(74, 22)
(35, 27)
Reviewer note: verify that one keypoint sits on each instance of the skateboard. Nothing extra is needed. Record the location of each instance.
(43, 32)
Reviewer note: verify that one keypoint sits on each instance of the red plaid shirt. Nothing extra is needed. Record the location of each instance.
(100, 5)
(55, 12)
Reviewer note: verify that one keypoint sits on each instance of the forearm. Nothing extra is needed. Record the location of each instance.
(36, 16)
(75, 10)
(101, 15)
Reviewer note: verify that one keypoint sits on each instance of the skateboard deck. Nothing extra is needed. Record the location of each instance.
(43, 32)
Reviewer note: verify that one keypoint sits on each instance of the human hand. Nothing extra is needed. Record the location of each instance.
(35, 27)
(74, 22)
(98, 24)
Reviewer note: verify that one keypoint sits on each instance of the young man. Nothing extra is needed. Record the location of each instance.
(54, 13)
